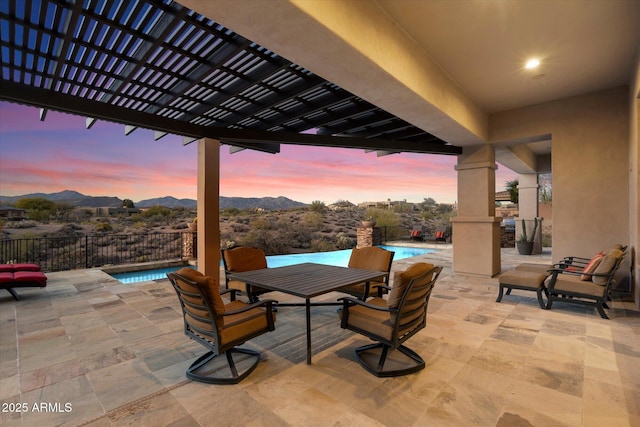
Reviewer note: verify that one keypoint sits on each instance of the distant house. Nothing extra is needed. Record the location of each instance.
(111, 211)
(13, 214)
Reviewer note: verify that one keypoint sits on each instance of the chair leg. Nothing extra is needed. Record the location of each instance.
(600, 308)
(374, 357)
(500, 294)
(212, 369)
(540, 301)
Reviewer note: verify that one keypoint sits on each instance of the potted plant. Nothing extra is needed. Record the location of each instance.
(193, 226)
(369, 222)
(525, 243)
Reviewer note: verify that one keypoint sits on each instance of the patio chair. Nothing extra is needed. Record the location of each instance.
(244, 258)
(392, 322)
(220, 327)
(370, 258)
(589, 285)
(417, 233)
(441, 234)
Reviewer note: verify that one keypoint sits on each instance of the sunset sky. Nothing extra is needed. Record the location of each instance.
(61, 154)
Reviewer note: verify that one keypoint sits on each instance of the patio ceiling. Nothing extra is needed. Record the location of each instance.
(157, 65)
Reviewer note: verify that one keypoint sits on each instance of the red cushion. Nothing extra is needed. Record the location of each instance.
(26, 267)
(30, 276)
(6, 277)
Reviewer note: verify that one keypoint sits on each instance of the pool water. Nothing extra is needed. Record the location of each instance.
(338, 258)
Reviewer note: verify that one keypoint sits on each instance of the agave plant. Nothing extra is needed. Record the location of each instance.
(523, 236)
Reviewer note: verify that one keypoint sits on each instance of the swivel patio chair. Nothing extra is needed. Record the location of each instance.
(220, 327)
(589, 285)
(370, 258)
(244, 258)
(392, 322)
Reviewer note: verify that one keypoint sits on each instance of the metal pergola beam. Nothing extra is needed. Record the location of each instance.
(248, 138)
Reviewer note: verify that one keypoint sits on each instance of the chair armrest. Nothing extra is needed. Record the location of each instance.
(348, 302)
(233, 293)
(265, 302)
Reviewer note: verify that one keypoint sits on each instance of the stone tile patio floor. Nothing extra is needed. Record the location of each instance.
(88, 350)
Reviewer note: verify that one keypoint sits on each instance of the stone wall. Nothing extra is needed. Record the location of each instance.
(368, 236)
(190, 245)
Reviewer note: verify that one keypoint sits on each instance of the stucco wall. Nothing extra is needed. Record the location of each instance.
(590, 164)
(634, 175)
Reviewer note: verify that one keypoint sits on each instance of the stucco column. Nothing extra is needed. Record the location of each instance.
(528, 208)
(528, 195)
(476, 230)
(209, 207)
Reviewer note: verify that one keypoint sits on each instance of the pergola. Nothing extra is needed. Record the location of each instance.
(160, 66)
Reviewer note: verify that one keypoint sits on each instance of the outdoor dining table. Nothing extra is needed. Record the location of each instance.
(306, 281)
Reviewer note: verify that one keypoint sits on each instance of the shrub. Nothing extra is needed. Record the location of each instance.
(321, 245)
(317, 206)
(344, 242)
(313, 220)
(103, 227)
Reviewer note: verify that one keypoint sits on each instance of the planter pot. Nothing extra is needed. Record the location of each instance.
(524, 248)
(193, 226)
(368, 223)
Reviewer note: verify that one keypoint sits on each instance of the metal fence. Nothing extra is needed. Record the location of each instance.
(70, 253)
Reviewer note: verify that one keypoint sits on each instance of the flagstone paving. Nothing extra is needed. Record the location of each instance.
(88, 350)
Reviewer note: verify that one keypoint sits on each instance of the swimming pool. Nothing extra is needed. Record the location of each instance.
(338, 258)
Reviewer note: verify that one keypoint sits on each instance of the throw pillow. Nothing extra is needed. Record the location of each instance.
(588, 270)
(606, 266)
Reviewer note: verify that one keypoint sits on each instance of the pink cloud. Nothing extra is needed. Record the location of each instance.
(61, 154)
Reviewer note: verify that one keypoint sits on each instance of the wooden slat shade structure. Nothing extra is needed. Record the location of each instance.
(157, 65)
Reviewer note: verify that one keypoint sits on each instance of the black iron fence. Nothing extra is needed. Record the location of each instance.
(70, 253)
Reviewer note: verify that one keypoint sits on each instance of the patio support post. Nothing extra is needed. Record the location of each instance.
(476, 230)
(528, 207)
(209, 207)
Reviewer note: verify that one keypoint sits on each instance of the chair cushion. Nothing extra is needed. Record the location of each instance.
(245, 258)
(571, 283)
(606, 266)
(375, 321)
(370, 258)
(6, 268)
(588, 270)
(26, 267)
(6, 277)
(239, 325)
(534, 268)
(211, 288)
(522, 278)
(401, 280)
(36, 277)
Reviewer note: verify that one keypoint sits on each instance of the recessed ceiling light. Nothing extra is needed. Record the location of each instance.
(532, 63)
